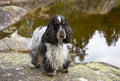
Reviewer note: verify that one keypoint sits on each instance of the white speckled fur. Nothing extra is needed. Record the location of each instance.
(57, 54)
(59, 18)
(36, 38)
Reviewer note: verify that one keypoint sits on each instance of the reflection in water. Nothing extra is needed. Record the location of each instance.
(100, 51)
(83, 27)
(107, 25)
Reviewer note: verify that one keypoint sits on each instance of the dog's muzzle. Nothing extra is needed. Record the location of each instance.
(61, 34)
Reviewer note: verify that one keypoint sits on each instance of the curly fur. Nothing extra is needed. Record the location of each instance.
(48, 45)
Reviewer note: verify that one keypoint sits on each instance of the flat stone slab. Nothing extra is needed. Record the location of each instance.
(15, 66)
(14, 43)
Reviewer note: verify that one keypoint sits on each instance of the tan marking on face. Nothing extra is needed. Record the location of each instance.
(58, 35)
(64, 35)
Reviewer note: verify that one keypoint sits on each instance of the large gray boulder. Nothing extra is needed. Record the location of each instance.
(9, 15)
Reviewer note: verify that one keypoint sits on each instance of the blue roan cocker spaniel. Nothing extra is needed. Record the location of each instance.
(49, 46)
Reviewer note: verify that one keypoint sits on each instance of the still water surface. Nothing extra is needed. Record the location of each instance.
(96, 35)
(98, 50)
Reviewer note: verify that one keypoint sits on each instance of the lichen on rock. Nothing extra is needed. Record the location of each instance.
(16, 66)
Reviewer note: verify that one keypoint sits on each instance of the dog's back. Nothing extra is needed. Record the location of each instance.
(37, 37)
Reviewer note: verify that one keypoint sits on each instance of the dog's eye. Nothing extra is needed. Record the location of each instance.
(57, 23)
(62, 23)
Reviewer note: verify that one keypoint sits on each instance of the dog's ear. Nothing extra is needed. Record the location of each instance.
(68, 38)
(49, 35)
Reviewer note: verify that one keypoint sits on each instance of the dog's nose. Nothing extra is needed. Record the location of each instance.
(62, 34)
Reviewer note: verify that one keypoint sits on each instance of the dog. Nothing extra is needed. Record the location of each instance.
(49, 46)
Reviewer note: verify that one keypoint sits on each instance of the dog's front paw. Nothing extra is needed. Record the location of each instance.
(51, 74)
(37, 66)
(64, 71)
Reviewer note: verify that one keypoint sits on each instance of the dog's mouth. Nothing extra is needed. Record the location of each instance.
(61, 35)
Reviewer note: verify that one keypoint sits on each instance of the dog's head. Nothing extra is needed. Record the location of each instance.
(58, 30)
(59, 24)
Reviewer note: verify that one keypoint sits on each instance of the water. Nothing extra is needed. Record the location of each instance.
(98, 50)
(97, 36)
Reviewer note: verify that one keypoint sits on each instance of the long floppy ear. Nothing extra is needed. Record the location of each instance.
(68, 31)
(49, 35)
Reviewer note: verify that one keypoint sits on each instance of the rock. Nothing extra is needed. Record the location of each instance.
(91, 71)
(87, 6)
(9, 15)
(27, 4)
(95, 7)
(14, 43)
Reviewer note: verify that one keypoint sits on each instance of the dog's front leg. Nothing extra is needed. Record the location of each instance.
(65, 66)
(35, 58)
(48, 68)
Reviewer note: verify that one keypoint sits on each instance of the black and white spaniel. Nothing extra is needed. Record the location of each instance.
(49, 46)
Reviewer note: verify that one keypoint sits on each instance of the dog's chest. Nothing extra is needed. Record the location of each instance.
(57, 55)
